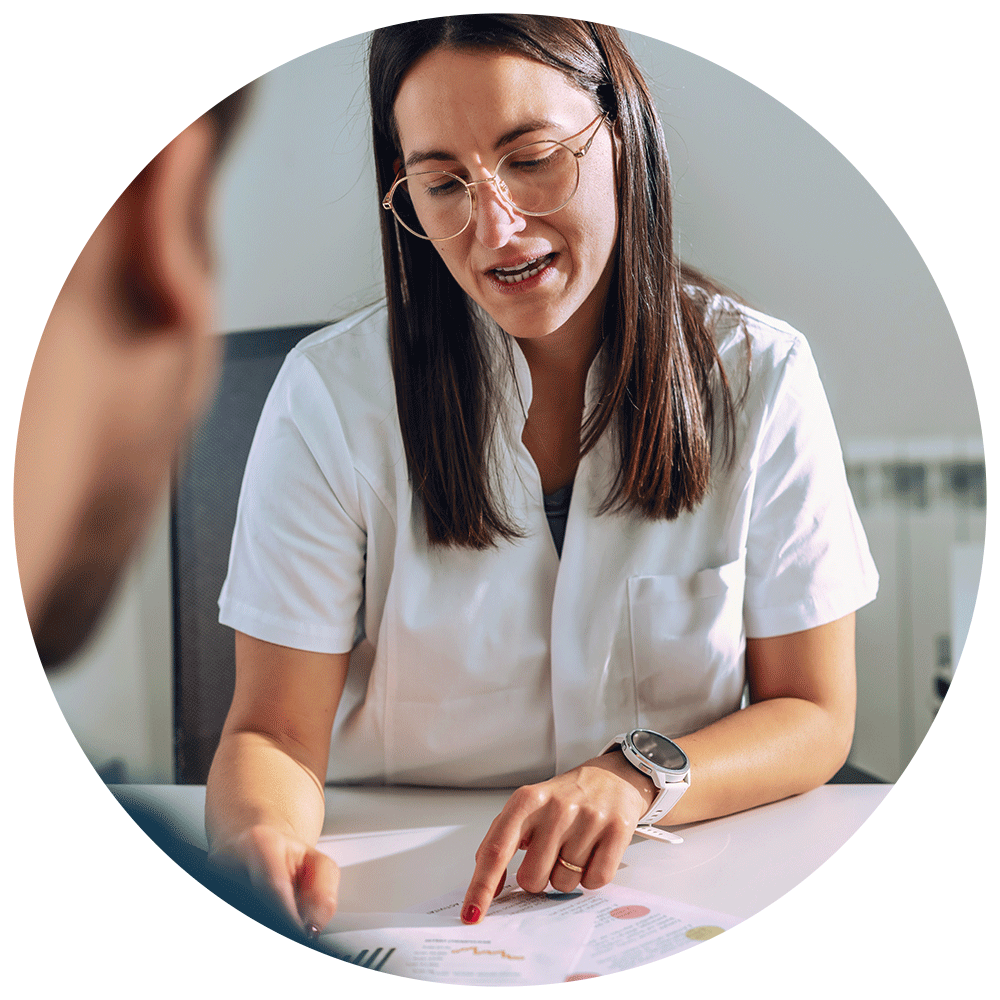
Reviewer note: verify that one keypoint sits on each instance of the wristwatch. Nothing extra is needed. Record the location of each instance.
(663, 761)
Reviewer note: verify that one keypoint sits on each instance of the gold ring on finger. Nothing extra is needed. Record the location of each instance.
(573, 868)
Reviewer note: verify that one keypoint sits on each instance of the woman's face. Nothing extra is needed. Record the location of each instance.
(461, 111)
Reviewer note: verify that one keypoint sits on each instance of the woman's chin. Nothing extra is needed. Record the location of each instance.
(530, 315)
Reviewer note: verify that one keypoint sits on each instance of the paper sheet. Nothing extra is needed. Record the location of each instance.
(506, 951)
(528, 938)
(629, 927)
(354, 848)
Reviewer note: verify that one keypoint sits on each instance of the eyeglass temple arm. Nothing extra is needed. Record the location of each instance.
(387, 200)
(582, 151)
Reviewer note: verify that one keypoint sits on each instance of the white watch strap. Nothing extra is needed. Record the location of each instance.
(658, 833)
(666, 799)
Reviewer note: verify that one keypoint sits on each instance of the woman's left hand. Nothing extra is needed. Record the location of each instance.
(585, 818)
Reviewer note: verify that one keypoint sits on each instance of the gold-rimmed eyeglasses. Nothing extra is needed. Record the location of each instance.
(536, 179)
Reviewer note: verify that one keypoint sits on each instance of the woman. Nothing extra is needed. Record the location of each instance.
(541, 367)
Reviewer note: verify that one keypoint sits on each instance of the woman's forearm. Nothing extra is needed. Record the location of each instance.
(765, 752)
(795, 734)
(264, 804)
(271, 762)
(255, 781)
(263, 814)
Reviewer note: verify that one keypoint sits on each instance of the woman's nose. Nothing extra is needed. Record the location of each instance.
(496, 220)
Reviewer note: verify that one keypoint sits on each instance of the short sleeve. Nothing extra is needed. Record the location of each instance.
(808, 561)
(296, 567)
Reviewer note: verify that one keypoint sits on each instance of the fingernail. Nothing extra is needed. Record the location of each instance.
(312, 932)
(470, 915)
(503, 879)
(306, 874)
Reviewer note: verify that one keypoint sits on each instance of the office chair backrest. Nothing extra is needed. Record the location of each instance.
(203, 513)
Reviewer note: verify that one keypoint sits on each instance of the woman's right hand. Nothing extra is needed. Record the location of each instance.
(288, 872)
(264, 805)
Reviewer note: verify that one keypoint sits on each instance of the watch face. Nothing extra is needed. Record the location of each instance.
(661, 751)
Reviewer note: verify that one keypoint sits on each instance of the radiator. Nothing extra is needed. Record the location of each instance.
(923, 506)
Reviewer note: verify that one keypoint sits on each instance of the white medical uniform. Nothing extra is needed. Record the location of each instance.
(502, 667)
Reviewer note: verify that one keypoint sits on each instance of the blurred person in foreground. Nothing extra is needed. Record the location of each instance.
(125, 366)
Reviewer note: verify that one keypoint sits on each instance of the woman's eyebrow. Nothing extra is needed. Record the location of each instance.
(523, 128)
(532, 125)
(422, 156)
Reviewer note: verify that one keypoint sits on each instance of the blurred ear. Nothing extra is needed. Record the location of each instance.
(167, 256)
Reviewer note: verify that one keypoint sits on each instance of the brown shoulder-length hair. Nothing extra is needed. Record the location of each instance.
(663, 379)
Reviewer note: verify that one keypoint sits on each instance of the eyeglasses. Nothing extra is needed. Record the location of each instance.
(536, 179)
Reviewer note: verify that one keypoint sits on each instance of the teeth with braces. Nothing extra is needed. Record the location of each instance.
(513, 275)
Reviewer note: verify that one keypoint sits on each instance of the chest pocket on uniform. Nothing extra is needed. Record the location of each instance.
(687, 646)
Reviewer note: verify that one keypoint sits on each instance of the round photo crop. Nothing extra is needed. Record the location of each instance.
(192, 336)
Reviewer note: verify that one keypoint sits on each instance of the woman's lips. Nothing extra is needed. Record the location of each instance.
(510, 277)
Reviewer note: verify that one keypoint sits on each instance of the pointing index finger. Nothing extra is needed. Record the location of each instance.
(501, 842)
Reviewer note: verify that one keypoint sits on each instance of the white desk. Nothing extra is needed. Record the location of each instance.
(421, 843)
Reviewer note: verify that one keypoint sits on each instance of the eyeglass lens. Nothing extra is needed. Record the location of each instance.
(537, 179)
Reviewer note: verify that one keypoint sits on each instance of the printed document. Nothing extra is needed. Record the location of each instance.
(533, 938)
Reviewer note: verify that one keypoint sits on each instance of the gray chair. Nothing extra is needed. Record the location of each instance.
(203, 513)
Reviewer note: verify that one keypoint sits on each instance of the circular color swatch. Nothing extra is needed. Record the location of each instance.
(703, 933)
(629, 912)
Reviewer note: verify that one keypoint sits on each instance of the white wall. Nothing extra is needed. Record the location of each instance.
(762, 202)
(298, 222)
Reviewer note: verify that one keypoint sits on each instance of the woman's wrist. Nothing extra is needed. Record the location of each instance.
(615, 762)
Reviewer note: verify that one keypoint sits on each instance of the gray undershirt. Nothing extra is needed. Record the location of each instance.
(557, 510)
